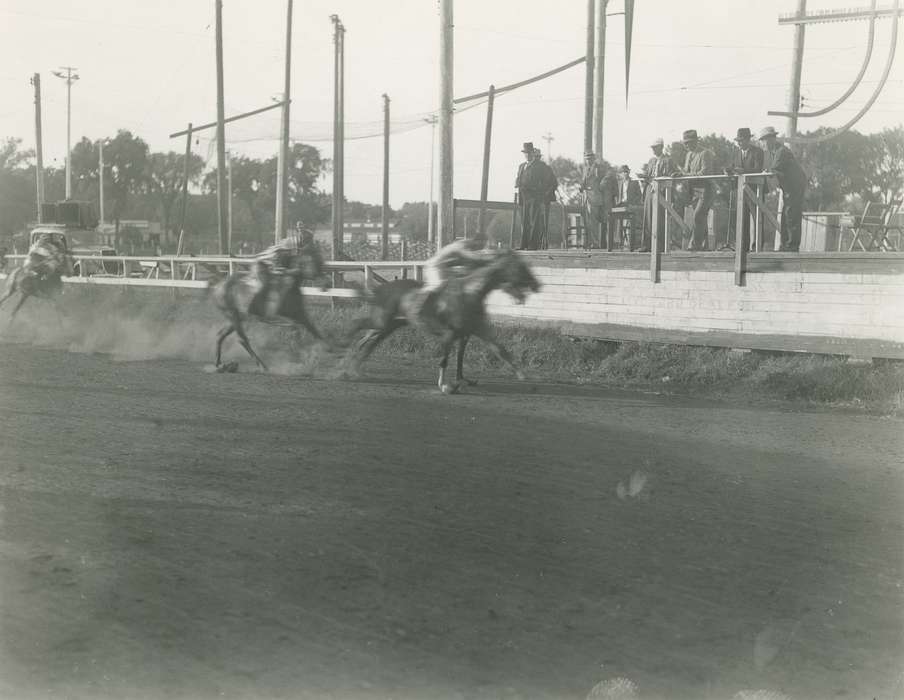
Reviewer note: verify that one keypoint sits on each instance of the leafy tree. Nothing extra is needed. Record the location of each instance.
(413, 220)
(886, 156)
(17, 188)
(125, 164)
(165, 177)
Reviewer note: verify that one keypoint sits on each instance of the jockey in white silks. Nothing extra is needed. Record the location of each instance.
(458, 259)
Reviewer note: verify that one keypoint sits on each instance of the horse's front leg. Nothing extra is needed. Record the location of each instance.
(487, 335)
(459, 376)
(243, 339)
(17, 307)
(447, 342)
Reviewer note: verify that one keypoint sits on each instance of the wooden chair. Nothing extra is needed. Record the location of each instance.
(872, 230)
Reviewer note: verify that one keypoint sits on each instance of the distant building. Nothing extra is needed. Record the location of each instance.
(369, 232)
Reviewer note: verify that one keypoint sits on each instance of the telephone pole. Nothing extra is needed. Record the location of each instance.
(599, 102)
(70, 77)
(588, 78)
(549, 138)
(338, 135)
(797, 64)
(222, 196)
(431, 232)
(384, 238)
(39, 148)
(100, 177)
(283, 160)
(445, 222)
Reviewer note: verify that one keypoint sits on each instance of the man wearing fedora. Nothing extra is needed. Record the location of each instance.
(536, 184)
(746, 158)
(793, 182)
(597, 200)
(699, 161)
(660, 165)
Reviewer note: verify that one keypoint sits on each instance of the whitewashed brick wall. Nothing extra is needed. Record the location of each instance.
(841, 305)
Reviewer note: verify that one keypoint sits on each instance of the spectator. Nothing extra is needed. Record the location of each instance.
(629, 197)
(536, 184)
(699, 161)
(747, 158)
(660, 165)
(596, 200)
(792, 180)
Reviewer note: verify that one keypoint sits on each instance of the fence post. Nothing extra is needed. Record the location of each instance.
(740, 261)
(655, 260)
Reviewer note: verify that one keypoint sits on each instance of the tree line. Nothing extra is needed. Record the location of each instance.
(845, 173)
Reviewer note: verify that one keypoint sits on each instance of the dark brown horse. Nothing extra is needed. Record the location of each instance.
(454, 312)
(37, 277)
(269, 297)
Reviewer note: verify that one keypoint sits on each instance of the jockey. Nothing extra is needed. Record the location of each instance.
(458, 259)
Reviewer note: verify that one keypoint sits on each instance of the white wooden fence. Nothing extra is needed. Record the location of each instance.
(195, 272)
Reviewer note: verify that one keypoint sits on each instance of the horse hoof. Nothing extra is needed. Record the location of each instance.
(450, 388)
(520, 376)
(228, 367)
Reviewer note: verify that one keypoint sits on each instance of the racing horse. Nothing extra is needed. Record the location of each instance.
(40, 275)
(267, 296)
(454, 312)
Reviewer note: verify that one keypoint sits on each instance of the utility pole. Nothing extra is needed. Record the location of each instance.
(431, 232)
(797, 63)
(283, 160)
(445, 220)
(100, 177)
(184, 189)
(588, 79)
(70, 77)
(338, 201)
(385, 211)
(485, 174)
(599, 103)
(549, 138)
(39, 148)
(221, 135)
(229, 203)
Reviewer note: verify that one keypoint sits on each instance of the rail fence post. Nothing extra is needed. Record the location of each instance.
(740, 261)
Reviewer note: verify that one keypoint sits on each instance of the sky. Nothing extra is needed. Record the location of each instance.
(713, 65)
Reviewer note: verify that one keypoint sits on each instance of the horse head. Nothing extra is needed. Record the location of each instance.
(514, 275)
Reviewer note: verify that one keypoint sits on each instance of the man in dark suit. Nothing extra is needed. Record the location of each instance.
(629, 197)
(747, 158)
(536, 184)
(793, 182)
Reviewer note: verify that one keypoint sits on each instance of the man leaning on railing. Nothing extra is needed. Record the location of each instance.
(699, 161)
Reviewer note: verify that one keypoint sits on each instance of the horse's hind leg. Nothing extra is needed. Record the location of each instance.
(459, 376)
(243, 339)
(221, 336)
(17, 307)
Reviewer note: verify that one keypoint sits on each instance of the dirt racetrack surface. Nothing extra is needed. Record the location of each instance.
(172, 533)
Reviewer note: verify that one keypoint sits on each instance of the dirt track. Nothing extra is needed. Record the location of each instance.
(167, 532)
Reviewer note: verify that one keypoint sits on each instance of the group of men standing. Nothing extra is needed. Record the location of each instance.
(602, 191)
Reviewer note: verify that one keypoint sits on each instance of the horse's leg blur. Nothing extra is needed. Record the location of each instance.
(11, 286)
(221, 336)
(459, 376)
(17, 307)
(376, 336)
(447, 342)
(486, 335)
(243, 339)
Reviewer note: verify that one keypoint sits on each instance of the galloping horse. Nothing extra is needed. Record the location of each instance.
(40, 275)
(454, 312)
(268, 297)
